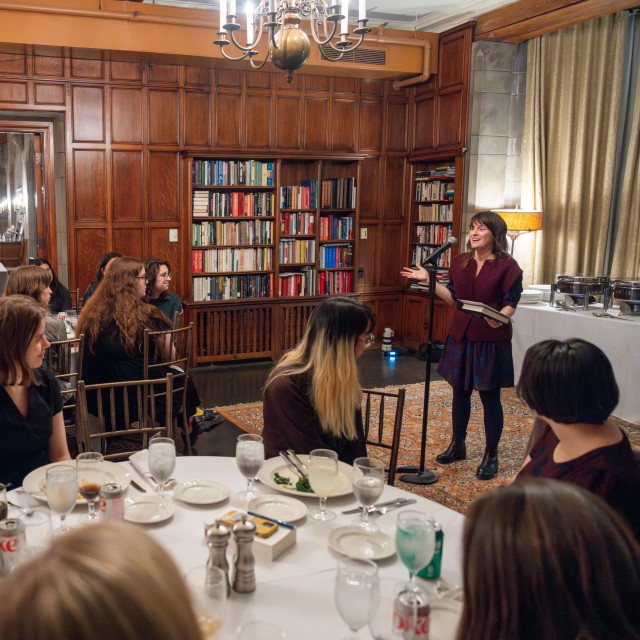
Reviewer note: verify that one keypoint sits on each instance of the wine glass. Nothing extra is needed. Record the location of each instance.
(249, 458)
(415, 542)
(90, 478)
(208, 588)
(162, 460)
(323, 478)
(356, 592)
(62, 492)
(368, 483)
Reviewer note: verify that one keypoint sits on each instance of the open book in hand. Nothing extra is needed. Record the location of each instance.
(479, 309)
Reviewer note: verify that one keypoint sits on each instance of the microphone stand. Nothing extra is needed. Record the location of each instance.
(420, 475)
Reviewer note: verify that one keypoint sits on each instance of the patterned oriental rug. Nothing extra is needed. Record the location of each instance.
(457, 485)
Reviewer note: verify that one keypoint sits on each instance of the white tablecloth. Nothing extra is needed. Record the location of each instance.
(296, 590)
(619, 339)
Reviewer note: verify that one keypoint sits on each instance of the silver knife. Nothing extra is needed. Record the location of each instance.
(285, 457)
(294, 458)
(398, 501)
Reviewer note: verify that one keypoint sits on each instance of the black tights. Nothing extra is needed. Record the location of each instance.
(493, 415)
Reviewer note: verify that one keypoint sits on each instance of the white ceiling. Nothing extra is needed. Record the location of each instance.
(421, 15)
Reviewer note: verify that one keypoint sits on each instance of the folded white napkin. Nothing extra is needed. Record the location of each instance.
(140, 462)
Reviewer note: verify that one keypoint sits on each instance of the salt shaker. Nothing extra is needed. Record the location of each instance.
(217, 536)
(244, 578)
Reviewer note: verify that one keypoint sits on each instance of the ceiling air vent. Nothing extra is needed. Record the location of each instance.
(359, 56)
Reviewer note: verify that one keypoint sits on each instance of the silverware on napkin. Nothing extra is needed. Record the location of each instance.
(400, 502)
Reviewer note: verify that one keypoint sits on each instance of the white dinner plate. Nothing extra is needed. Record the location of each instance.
(201, 492)
(445, 618)
(278, 465)
(35, 483)
(148, 509)
(356, 542)
(279, 507)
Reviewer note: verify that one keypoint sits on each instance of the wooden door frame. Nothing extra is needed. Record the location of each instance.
(45, 129)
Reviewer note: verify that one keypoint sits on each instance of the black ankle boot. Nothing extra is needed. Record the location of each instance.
(489, 465)
(456, 451)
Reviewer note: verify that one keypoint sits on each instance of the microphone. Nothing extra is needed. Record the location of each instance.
(451, 242)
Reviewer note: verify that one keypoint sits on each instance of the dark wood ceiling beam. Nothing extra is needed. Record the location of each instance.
(525, 19)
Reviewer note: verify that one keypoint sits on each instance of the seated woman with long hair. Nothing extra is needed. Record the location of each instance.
(107, 581)
(158, 294)
(313, 396)
(571, 386)
(31, 423)
(60, 296)
(546, 560)
(35, 282)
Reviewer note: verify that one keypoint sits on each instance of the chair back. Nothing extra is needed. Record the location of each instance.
(177, 319)
(124, 410)
(171, 349)
(75, 299)
(382, 418)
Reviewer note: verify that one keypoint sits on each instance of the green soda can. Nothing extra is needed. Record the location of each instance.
(432, 570)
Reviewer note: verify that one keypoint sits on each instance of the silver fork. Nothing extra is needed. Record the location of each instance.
(380, 511)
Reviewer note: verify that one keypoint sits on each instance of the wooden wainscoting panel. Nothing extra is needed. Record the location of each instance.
(126, 115)
(424, 131)
(164, 109)
(368, 252)
(228, 116)
(48, 66)
(343, 84)
(397, 129)
(316, 84)
(451, 60)
(197, 118)
(316, 123)
(164, 73)
(127, 185)
(126, 71)
(371, 87)
(391, 262)
(452, 127)
(228, 78)
(370, 138)
(393, 187)
(14, 92)
(343, 127)
(258, 111)
(258, 80)
(198, 76)
(49, 93)
(89, 185)
(369, 187)
(163, 186)
(90, 246)
(288, 119)
(86, 69)
(129, 241)
(88, 114)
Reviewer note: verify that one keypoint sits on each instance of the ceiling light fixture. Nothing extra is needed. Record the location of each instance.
(289, 45)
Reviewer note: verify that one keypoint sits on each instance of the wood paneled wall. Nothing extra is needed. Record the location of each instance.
(127, 124)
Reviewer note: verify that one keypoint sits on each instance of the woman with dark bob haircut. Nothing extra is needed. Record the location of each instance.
(571, 386)
(546, 560)
(313, 395)
(60, 296)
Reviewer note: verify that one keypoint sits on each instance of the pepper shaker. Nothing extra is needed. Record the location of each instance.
(217, 536)
(244, 579)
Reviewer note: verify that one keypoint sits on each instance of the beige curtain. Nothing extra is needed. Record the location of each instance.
(626, 254)
(573, 93)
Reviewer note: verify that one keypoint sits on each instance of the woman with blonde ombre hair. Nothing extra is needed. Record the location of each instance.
(35, 282)
(313, 396)
(103, 582)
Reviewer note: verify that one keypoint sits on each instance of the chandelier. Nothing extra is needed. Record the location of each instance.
(289, 45)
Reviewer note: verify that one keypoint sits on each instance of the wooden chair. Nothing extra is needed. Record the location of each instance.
(378, 414)
(124, 409)
(172, 348)
(75, 299)
(177, 319)
(64, 359)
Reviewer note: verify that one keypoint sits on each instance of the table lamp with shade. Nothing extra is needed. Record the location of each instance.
(520, 221)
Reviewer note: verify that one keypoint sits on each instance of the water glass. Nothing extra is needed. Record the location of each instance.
(368, 484)
(323, 478)
(208, 588)
(249, 458)
(90, 479)
(415, 542)
(259, 630)
(356, 592)
(162, 460)
(37, 530)
(62, 491)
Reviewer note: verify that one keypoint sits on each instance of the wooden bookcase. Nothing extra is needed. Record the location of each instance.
(269, 238)
(435, 216)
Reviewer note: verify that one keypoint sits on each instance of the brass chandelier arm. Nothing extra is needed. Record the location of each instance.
(228, 57)
(252, 46)
(345, 48)
(315, 35)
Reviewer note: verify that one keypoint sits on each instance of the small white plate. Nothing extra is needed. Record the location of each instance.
(355, 542)
(278, 465)
(445, 618)
(201, 492)
(35, 482)
(279, 507)
(148, 509)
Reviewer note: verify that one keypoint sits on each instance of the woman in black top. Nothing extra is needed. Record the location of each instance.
(60, 296)
(105, 263)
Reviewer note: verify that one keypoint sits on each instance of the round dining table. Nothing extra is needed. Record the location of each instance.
(294, 591)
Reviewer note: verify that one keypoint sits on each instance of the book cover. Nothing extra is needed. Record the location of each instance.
(482, 310)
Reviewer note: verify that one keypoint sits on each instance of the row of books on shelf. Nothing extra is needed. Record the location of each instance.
(335, 282)
(236, 203)
(223, 260)
(304, 196)
(435, 212)
(210, 288)
(238, 233)
(338, 193)
(336, 256)
(433, 234)
(442, 277)
(298, 283)
(225, 173)
(445, 171)
(297, 222)
(336, 228)
(421, 253)
(297, 251)
(435, 190)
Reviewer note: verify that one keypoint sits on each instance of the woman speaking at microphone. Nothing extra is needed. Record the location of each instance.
(477, 352)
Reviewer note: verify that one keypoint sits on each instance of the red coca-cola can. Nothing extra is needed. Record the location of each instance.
(411, 615)
(12, 543)
(111, 501)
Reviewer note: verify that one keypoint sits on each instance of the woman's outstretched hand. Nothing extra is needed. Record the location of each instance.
(418, 273)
